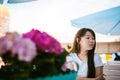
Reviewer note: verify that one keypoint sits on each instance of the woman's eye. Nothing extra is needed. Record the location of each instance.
(87, 38)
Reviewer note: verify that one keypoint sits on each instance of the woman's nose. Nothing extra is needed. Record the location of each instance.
(92, 40)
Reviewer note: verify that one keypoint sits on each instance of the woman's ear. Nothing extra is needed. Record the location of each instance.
(77, 40)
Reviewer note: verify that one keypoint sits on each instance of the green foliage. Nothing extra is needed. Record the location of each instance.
(44, 64)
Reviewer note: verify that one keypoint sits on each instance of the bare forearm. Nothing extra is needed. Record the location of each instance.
(79, 78)
(97, 78)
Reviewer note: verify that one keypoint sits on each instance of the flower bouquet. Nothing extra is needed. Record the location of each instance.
(34, 54)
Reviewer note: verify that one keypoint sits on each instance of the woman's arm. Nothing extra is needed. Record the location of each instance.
(98, 76)
(79, 78)
(99, 73)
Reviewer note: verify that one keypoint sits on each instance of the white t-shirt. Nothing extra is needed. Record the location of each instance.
(83, 67)
(113, 55)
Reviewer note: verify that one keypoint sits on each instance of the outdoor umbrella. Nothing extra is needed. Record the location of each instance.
(105, 22)
(15, 1)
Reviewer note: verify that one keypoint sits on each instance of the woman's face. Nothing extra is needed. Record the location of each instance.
(87, 42)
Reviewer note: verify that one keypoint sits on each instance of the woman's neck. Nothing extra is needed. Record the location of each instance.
(82, 55)
(83, 52)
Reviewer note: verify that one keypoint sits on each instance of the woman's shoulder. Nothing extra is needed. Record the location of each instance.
(96, 55)
(98, 60)
(71, 56)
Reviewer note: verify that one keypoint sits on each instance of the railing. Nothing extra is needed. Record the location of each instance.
(111, 70)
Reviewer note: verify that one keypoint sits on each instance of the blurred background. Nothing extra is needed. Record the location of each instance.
(54, 17)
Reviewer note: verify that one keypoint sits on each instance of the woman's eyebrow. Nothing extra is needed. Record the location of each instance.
(89, 36)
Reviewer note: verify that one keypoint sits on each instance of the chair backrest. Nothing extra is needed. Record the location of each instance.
(117, 57)
(113, 63)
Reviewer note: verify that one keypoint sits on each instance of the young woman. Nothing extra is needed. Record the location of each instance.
(90, 66)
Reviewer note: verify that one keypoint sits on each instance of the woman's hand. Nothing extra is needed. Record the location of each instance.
(69, 65)
(100, 77)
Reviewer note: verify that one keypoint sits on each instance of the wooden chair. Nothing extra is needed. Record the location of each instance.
(111, 70)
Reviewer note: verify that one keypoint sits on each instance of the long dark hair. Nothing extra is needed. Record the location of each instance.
(76, 48)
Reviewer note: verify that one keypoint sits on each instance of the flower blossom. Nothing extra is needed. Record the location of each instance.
(25, 49)
(44, 41)
(7, 41)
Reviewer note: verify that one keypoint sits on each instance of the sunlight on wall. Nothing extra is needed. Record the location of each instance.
(4, 19)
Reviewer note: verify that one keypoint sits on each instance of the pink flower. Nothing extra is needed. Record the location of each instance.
(44, 41)
(25, 49)
(31, 52)
(7, 41)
